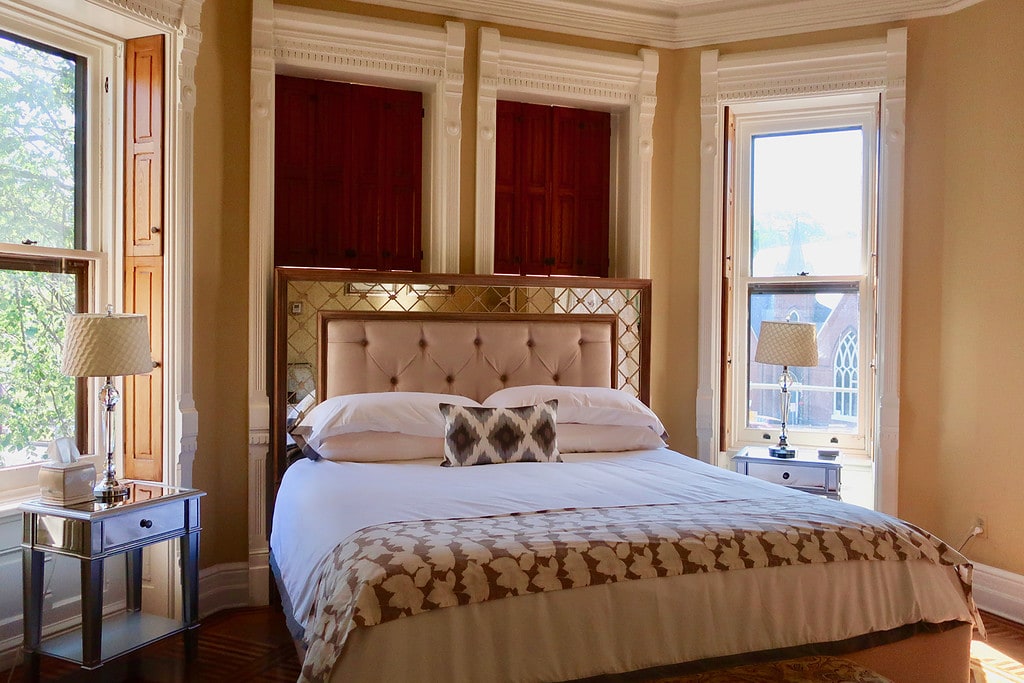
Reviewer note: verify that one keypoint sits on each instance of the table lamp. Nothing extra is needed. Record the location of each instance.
(107, 345)
(785, 343)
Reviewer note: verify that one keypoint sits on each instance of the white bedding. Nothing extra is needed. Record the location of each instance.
(321, 503)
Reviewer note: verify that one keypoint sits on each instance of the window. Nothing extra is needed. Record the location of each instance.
(44, 273)
(803, 240)
(845, 373)
(791, 94)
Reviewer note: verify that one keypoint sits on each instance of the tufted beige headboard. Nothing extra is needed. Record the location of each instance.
(473, 355)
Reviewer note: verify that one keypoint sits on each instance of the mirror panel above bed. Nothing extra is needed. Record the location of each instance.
(467, 334)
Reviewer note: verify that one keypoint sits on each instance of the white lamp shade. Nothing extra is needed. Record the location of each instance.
(785, 343)
(106, 345)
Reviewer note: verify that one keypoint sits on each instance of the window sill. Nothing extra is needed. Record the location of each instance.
(20, 484)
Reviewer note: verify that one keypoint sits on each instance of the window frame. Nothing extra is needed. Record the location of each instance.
(876, 65)
(818, 114)
(98, 198)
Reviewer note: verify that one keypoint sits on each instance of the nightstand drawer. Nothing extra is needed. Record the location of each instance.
(790, 475)
(138, 526)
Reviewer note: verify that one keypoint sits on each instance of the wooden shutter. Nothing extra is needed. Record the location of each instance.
(592, 191)
(552, 186)
(401, 161)
(535, 190)
(143, 237)
(295, 141)
(507, 257)
(143, 168)
(728, 232)
(566, 164)
(348, 170)
(328, 167)
(143, 404)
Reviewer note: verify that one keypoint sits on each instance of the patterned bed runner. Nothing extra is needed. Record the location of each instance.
(400, 569)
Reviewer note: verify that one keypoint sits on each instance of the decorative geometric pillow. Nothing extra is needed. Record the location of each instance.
(485, 436)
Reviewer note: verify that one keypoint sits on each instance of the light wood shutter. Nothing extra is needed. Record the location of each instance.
(143, 245)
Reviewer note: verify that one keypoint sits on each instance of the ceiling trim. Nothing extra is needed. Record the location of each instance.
(658, 23)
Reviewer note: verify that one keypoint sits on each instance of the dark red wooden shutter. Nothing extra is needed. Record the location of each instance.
(552, 188)
(401, 152)
(349, 176)
(331, 228)
(296, 223)
(535, 189)
(565, 172)
(593, 188)
(507, 256)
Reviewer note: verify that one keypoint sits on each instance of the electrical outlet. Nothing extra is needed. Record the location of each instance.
(980, 522)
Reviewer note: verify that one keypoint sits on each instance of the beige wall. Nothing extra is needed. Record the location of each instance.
(963, 323)
(964, 225)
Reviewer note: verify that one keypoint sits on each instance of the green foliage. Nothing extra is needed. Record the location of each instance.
(37, 146)
(37, 202)
(37, 402)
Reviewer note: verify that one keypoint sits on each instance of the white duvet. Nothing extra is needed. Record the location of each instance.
(320, 503)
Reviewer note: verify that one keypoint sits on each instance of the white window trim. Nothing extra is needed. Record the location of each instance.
(86, 28)
(862, 66)
(331, 45)
(624, 85)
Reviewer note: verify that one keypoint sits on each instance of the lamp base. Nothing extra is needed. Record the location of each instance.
(782, 452)
(110, 493)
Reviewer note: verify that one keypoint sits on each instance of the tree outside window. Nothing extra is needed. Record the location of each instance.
(41, 192)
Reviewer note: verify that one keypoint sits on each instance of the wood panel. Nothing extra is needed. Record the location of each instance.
(143, 400)
(143, 166)
(143, 414)
(348, 172)
(295, 139)
(552, 187)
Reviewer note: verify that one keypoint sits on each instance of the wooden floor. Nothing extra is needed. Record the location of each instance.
(253, 646)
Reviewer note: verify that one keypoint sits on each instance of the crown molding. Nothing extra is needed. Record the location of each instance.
(683, 23)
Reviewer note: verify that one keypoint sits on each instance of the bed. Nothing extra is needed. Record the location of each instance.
(619, 559)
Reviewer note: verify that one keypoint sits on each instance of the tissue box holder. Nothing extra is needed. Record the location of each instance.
(67, 483)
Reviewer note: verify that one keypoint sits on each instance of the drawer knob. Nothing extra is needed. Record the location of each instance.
(785, 475)
(148, 523)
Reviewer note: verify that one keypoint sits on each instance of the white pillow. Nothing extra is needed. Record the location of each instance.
(583, 438)
(583, 405)
(407, 412)
(377, 447)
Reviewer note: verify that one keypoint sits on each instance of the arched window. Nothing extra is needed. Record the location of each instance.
(845, 372)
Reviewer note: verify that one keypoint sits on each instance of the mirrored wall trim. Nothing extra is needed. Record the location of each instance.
(364, 290)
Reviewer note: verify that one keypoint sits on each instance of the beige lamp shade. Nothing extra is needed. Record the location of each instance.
(785, 343)
(106, 345)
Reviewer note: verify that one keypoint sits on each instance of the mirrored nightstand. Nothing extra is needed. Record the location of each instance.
(92, 532)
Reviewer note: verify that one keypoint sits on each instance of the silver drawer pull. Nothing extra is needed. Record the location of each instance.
(148, 523)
